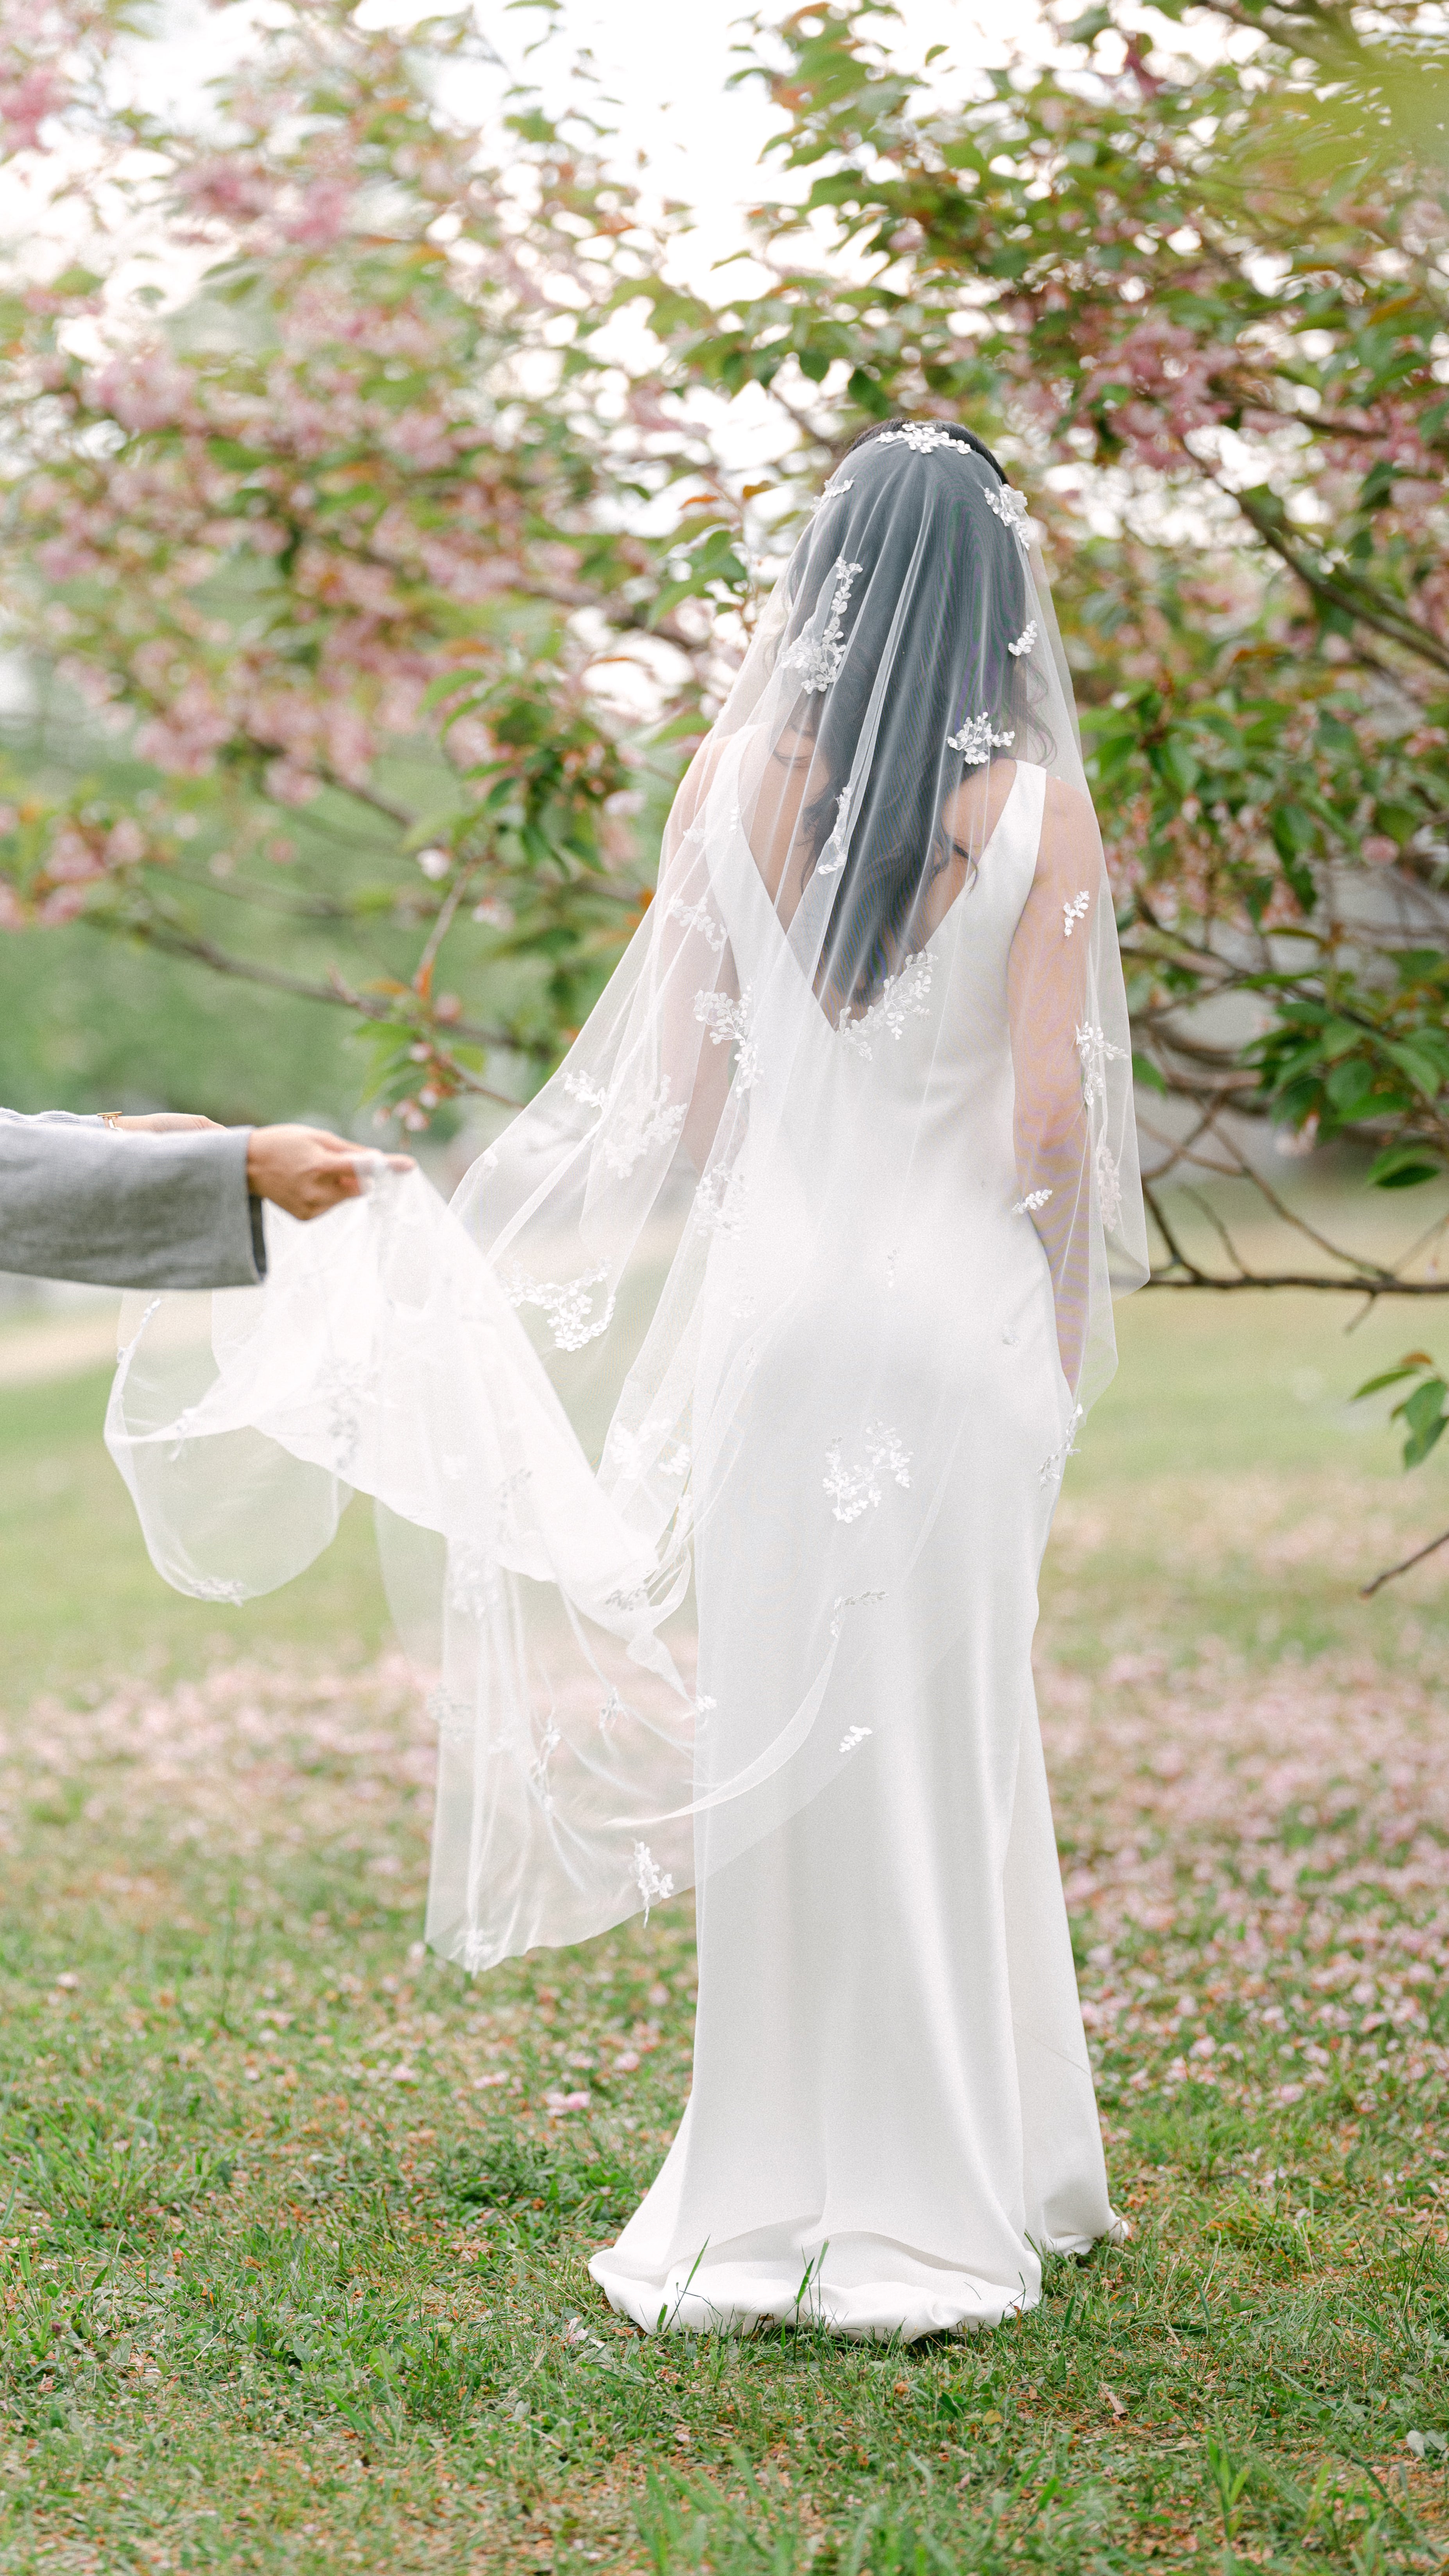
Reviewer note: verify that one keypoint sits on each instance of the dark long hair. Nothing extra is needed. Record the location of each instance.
(953, 655)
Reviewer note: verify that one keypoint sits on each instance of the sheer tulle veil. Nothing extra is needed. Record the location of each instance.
(559, 1388)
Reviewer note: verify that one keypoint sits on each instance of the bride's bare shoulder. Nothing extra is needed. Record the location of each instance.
(1069, 834)
(699, 777)
(1068, 808)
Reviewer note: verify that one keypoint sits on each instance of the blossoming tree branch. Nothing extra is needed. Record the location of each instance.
(1201, 296)
(341, 546)
(393, 547)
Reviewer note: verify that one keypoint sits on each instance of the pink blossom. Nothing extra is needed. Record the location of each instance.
(62, 906)
(125, 843)
(143, 389)
(424, 440)
(186, 739)
(227, 186)
(350, 745)
(71, 858)
(330, 574)
(469, 742)
(311, 426)
(462, 576)
(401, 702)
(66, 558)
(285, 718)
(321, 217)
(290, 784)
(26, 102)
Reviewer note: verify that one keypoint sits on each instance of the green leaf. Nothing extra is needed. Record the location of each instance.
(1388, 1377)
(1178, 764)
(1293, 829)
(1338, 1036)
(1425, 1415)
(1420, 1059)
(1350, 1087)
(1403, 1167)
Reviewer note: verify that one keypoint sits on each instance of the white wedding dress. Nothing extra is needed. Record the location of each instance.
(841, 1164)
(892, 2114)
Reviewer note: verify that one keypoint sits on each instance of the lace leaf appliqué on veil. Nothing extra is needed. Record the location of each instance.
(454, 1717)
(568, 1304)
(976, 740)
(728, 1023)
(631, 1134)
(1095, 1052)
(837, 849)
(923, 436)
(719, 1202)
(1109, 1185)
(698, 916)
(653, 1883)
(1053, 1467)
(850, 1601)
(818, 658)
(902, 997)
(853, 1490)
(659, 1122)
(636, 1453)
(1010, 508)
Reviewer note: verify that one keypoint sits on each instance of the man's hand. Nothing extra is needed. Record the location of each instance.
(307, 1171)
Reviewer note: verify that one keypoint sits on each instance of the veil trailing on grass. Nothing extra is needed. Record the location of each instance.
(695, 1249)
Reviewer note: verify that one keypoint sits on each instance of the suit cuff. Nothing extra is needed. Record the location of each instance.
(259, 1236)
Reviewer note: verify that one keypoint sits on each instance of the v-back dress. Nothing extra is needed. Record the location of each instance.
(892, 2114)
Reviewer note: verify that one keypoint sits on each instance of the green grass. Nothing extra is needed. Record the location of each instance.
(79, 1601)
(293, 2281)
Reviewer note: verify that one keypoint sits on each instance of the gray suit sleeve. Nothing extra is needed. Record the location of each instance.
(80, 1201)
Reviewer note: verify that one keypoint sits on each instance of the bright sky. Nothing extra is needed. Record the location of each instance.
(664, 63)
(668, 65)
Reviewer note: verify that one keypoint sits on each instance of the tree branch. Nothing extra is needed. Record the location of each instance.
(1367, 1590)
(1355, 600)
(201, 952)
(1362, 1279)
(1242, 1170)
(364, 796)
(1369, 1286)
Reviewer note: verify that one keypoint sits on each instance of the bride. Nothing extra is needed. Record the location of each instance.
(819, 1224)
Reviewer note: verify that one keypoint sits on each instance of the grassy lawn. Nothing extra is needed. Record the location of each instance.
(293, 2239)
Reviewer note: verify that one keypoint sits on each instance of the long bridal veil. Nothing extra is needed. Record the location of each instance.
(560, 1388)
